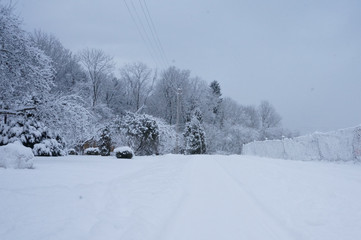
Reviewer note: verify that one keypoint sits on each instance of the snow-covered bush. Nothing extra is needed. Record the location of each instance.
(236, 136)
(92, 151)
(31, 133)
(140, 132)
(48, 147)
(229, 139)
(72, 151)
(69, 117)
(124, 152)
(15, 155)
(28, 131)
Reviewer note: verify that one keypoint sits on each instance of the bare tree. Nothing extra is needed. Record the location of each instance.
(98, 66)
(68, 72)
(269, 118)
(268, 115)
(164, 99)
(251, 117)
(139, 82)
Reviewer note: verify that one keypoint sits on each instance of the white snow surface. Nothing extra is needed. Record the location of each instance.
(180, 197)
(15, 155)
(340, 145)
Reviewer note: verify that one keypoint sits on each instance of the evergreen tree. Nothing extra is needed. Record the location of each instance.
(216, 88)
(215, 103)
(198, 114)
(105, 142)
(32, 133)
(194, 135)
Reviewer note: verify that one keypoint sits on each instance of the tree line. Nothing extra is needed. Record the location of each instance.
(78, 95)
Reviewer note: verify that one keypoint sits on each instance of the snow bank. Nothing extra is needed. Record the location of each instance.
(15, 155)
(344, 144)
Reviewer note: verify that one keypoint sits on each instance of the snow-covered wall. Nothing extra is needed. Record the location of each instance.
(344, 144)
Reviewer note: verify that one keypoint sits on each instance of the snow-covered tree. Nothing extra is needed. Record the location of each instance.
(105, 142)
(163, 102)
(69, 77)
(25, 71)
(195, 96)
(270, 121)
(69, 116)
(140, 132)
(32, 133)
(194, 136)
(167, 137)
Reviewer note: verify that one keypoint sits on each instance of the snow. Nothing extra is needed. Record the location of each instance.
(15, 155)
(123, 149)
(344, 145)
(92, 151)
(180, 197)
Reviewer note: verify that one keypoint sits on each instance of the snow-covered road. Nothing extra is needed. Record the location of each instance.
(180, 197)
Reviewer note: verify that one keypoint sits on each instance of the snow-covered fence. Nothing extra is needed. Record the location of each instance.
(344, 144)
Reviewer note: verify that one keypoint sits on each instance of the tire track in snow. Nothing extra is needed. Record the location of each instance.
(218, 208)
(273, 222)
(137, 207)
(312, 199)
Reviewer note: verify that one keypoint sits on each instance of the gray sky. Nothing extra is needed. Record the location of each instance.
(302, 56)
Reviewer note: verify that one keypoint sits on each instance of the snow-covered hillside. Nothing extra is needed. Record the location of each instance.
(180, 197)
(344, 144)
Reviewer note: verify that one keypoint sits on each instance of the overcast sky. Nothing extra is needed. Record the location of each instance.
(302, 56)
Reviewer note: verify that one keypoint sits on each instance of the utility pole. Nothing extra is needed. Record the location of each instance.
(179, 92)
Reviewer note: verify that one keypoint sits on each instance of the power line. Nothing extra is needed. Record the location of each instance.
(149, 49)
(146, 32)
(153, 30)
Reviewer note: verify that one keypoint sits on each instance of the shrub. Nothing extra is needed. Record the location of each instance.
(48, 147)
(72, 151)
(167, 137)
(92, 151)
(124, 152)
(31, 133)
